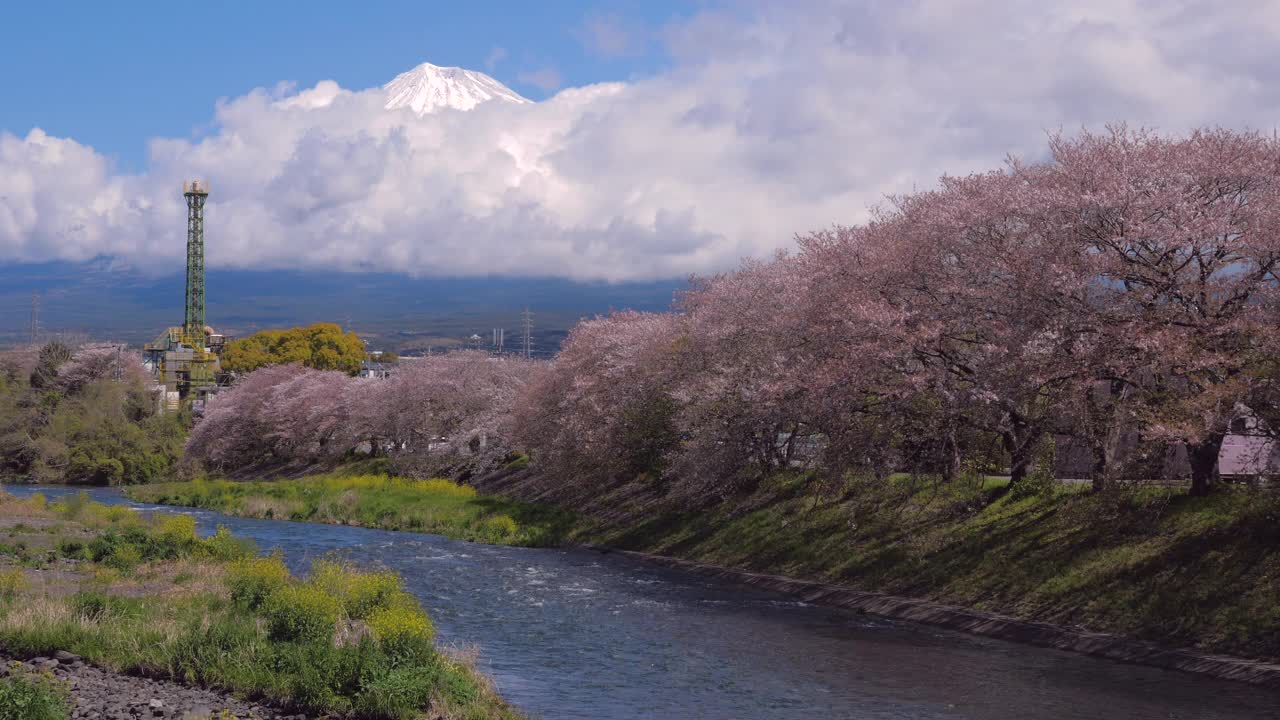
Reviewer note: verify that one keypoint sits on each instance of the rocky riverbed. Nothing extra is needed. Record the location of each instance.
(98, 694)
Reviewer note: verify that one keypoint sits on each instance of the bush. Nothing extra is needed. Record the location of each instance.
(124, 557)
(499, 528)
(74, 549)
(1040, 481)
(12, 582)
(302, 613)
(405, 633)
(25, 696)
(178, 531)
(222, 546)
(360, 593)
(252, 580)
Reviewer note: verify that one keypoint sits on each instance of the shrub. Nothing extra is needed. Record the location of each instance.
(71, 548)
(124, 557)
(304, 613)
(252, 580)
(12, 582)
(1040, 481)
(25, 696)
(225, 547)
(72, 506)
(405, 633)
(499, 528)
(360, 593)
(176, 530)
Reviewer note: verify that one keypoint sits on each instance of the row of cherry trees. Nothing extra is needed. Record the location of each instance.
(439, 411)
(1124, 287)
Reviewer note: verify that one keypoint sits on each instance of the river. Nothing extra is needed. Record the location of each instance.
(577, 634)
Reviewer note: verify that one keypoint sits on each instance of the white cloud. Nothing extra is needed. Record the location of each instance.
(610, 36)
(545, 78)
(767, 123)
(495, 56)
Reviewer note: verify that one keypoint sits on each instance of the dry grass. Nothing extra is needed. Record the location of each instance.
(265, 507)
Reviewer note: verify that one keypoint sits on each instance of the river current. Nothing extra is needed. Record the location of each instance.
(579, 634)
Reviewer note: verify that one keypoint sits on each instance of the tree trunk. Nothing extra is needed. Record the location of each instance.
(1018, 468)
(1203, 458)
(1020, 444)
(1099, 469)
(950, 457)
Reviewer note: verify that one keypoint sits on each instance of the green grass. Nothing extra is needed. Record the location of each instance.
(342, 641)
(1147, 562)
(30, 696)
(437, 506)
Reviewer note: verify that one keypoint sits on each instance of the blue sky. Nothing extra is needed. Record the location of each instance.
(733, 125)
(114, 74)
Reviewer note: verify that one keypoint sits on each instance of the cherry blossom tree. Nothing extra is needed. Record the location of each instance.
(604, 407)
(1184, 235)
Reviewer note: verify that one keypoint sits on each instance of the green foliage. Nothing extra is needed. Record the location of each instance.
(435, 506)
(499, 529)
(96, 606)
(11, 582)
(252, 580)
(344, 643)
(302, 613)
(397, 693)
(648, 435)
(1147, 562)
(360, 593)
(28, 696)
(101, 432)
(1040, 481)
(322, 346)
(405, 633)
(53, 355)
(222, 546)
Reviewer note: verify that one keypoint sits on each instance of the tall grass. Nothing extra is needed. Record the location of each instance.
(437, 506)
(154, 598)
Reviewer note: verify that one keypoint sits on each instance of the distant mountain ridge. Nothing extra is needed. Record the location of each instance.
(104, 301)
(431, 88)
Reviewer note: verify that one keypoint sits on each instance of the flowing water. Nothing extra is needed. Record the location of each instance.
(578, 634)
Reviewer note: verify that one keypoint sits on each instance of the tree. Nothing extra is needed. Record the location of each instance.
(1185, 237)
(322, 346)
(52, 356)
(604, 408)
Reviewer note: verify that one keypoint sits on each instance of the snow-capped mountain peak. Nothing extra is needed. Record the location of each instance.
(430, 88)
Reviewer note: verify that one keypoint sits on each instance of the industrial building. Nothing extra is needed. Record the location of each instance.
(184, 359)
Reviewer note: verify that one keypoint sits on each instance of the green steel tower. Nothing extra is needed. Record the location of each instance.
(195, 191)
(185, 359)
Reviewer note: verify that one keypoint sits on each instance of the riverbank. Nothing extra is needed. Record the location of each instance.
(437, 506)
(1147, 564)
(85, 585)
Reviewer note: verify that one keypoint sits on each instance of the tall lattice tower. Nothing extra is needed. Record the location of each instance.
(196, 192)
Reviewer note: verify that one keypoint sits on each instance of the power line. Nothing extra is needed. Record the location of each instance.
(527, 324)
(35, 317)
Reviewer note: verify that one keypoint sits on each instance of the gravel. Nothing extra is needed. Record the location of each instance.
(99, 694)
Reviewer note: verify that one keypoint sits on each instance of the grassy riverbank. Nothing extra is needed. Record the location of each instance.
(441, 507)
(1145, 562)
(146, 596)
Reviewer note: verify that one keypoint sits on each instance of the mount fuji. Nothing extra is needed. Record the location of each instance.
(430, 88)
